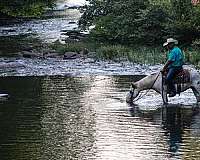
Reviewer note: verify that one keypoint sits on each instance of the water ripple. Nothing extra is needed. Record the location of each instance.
(86, 118)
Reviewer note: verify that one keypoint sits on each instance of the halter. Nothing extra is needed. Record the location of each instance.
(147, 91)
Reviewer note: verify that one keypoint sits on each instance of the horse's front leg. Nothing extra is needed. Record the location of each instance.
(129, 95)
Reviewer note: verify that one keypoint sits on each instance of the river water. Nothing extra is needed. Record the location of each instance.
(76, 110)
(87, 118)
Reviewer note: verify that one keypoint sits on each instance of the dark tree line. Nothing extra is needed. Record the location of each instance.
(24, 8)
(147, 22)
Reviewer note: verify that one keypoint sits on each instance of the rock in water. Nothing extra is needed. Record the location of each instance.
(4, 95)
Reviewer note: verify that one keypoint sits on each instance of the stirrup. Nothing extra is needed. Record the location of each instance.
(172, 94)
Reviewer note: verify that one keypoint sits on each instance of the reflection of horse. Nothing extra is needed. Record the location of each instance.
(172, 120)
(155, 82)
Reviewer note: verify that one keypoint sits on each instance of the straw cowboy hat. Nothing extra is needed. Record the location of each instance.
(170, 40)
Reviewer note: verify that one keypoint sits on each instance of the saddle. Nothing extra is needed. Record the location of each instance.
(182, 77)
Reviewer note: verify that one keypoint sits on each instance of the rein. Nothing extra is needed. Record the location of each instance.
(147, 91)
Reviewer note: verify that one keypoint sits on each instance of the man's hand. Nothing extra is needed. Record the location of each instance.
(166, 66)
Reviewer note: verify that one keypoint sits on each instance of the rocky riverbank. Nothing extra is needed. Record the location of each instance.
(70, 67)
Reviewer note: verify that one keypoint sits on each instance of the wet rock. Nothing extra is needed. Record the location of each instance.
(9, 30)
(70, 40)
(72, 23)
(73, 7)
(52, 55)
(28, 48)
(27, 54)
(74, 35)
(71, 55)
(3, 95)
(72, 32)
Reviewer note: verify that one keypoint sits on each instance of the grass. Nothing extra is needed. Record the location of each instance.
(113, 52)
(193, 56)
(104, 51)
(135, 54)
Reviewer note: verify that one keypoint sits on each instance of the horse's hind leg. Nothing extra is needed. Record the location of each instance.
(164, 94)
(196, 93)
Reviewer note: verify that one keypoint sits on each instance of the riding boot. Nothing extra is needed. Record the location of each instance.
(172, 92)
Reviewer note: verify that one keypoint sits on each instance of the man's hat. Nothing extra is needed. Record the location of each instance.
(170, 40)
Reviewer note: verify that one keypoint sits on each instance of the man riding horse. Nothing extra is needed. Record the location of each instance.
(173, 65)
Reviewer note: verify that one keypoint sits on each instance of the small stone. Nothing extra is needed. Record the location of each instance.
(71, 55)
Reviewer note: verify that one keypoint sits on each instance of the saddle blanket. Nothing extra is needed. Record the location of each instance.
(182, 77)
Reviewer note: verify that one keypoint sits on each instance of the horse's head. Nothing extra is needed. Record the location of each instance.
(133, 93)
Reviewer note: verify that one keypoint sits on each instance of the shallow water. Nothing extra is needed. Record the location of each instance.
(46, 29)
(87, 118)
(72, 67)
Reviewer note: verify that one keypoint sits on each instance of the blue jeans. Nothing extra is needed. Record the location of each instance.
(170, 78)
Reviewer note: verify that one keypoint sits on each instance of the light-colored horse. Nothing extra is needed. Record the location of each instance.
(155, 82)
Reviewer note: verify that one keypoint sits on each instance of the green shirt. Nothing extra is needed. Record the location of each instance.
(176, 56)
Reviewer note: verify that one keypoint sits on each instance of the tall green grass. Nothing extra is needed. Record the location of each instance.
(193, 57)
(135, 54)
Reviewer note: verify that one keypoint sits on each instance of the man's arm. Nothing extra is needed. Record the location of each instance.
(166, 65)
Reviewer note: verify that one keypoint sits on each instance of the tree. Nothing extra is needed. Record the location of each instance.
(142, 21)
(114, 20)
(183, 18)
(182, 9)
(154, 20)
(24, 8)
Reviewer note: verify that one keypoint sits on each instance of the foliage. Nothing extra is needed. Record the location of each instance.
(117, 20)
(153, 24)
(24, 8)
(147, 22)
(94, 11)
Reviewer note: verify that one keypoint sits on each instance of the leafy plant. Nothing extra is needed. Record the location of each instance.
(25, 8)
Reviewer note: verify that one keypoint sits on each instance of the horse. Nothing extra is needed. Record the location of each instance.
(155, 82)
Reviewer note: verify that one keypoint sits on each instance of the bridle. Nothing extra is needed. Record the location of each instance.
(147, 91)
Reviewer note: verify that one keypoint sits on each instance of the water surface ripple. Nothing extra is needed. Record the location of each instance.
(87, 118)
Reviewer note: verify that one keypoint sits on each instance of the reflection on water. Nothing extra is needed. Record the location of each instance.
(87, 118)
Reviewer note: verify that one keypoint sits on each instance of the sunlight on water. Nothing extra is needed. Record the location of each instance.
(87, 118)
